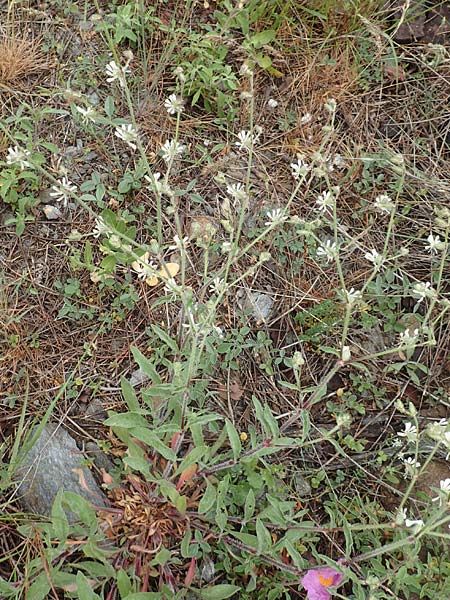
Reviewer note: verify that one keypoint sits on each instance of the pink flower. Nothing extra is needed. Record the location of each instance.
(318, 581)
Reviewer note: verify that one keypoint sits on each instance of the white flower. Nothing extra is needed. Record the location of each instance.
(307, 118)
(352, 295)
(272, 103)
(158, 185)
(144, 267)
(329, 250)
(330, 105)
(338, 161)
(375, 257)
(423, 290)
(179, 244)
(408, 337)
(180, 74)
(300, 168)
(171, 149)
(18, 156)
(383, 203)
(87, 114)
(276, 217)
(401, 516)
(411, 465)
(237, 192)
(218, 286)
(63, 191)
(101, 228)
(128, 134)
(324, 201)
(411, 461)
(246, 140)
(226, 247)
(410, 432)
(434, 244)
(415, 524)
(116, 72)
(444, 488)
(173, 104)
(245, 70)
(172, 286)
(346, 353)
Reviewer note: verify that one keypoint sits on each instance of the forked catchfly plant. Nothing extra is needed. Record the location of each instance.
(276, 217)
(116, 72)
(63, 191)
(246, 139)
(328, 251)
(173, 104)
(171, 149)
(128, 134)
(18, 156)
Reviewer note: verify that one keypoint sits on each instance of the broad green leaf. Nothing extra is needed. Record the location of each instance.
(263, 536)
(249, 506)
(129, 395)
(59, 519)
(208, 499)
(146, 365)
(127, 420)
(148, 437)
(193, 457)
(143, 596)
(109, 106)
(80, 507)
(219, 592)
(123, 583)
(84, 588)
(234, 438)
(263, 60)
(39, 589)
(165, 337)
(262, 38)
(271, 422)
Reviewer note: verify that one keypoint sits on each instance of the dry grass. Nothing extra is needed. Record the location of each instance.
(20, 57)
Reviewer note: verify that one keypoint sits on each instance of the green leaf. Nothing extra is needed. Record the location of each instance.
(127, 420)
(143, 596)
(129, 395)
(109, 106)
(80, 507)
(148, 437)
(218, 592)
(263, 536)
(262, 38)
(271, 422)
(249, 506)
(263, 61)
(39, 589)
(208, 499)
(233, 436)
(146, 365)
(123, 583)
(165, 337)
(194, 456)
(84, 589)
(59, 518)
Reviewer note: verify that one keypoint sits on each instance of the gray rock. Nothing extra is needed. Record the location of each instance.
(100, 459)
(52, 213)
(260, 304)
(51, 465)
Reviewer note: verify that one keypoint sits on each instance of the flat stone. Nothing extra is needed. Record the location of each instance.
(54, 462)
